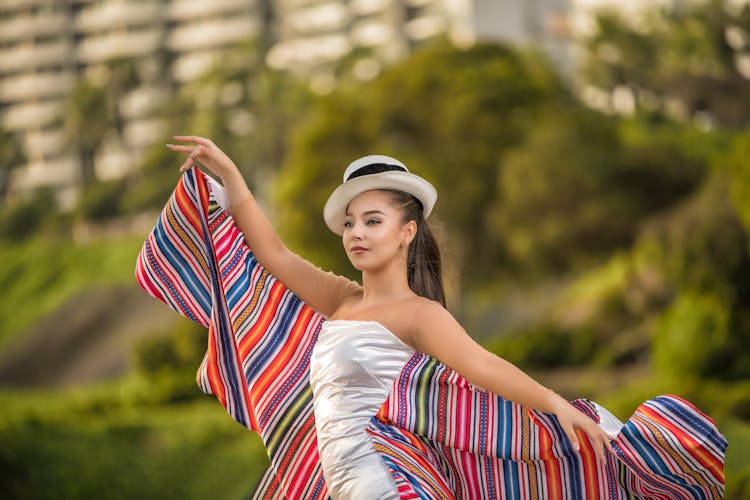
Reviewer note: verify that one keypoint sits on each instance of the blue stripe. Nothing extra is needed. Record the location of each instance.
(183, 269)
(506, 413)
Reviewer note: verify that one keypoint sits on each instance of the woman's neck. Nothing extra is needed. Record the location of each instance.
(385, 285)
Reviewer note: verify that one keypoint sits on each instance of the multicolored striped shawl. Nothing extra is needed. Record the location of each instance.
(440, 436)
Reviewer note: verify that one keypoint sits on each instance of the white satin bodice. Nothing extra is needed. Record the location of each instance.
(352, 370)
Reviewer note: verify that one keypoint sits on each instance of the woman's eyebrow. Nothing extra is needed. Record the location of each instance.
(369, 212)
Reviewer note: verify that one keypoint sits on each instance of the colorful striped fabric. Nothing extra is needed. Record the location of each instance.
(440, 437)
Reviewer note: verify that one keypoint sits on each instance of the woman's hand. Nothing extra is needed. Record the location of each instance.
(214, 159)
(572, 419)
(206, 152)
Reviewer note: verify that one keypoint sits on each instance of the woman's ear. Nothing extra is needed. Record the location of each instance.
(409, 231)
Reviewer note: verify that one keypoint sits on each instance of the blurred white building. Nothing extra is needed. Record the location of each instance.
(313, 36)
(46, 46)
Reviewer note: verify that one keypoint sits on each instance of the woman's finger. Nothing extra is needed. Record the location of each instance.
(189, 163)
(179, 148)
(608, 442)
(594, 439)
(602, 443)
(605, 439)
(601, 448)
(571, 433)
(193, 138)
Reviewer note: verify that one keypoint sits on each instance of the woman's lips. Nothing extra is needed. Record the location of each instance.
(358, 249)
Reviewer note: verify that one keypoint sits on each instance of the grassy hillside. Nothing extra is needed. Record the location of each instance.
(38, 275)
(123, 440)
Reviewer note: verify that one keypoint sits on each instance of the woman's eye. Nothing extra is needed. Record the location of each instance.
(348, 224)
(373, 221)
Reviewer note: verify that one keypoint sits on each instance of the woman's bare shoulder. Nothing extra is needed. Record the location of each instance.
(425, 308)
(427, 314)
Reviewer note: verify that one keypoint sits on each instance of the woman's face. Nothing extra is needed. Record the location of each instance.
(374, 234)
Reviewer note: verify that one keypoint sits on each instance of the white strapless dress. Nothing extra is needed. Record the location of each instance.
(352, 370)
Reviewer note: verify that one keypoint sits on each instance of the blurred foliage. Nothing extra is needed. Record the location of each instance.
(102, 443)
(575, 190)
(92, 112)
(694, 319)
(101, 200)
(547, 347)
(701, 242)
(180, 351)
(151, 185)
(86, 123)
(737, 164)
(27, 217)
(683, 60)
(12, 156)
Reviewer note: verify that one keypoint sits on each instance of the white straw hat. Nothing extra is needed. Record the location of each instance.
(375, 172)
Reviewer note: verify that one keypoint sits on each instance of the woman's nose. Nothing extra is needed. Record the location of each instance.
(356, 231)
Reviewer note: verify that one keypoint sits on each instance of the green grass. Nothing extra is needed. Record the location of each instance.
(38, 275)
(737, 467)
(99, 443)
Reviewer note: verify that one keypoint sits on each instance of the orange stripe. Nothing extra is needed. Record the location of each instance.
(188, 209)
(254, 334)
(212, 369)
(590, 469)
(553, 483)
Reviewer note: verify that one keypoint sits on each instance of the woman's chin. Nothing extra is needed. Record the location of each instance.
(361, 264)
(358, 265)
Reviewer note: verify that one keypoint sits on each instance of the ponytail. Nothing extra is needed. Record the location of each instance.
(423, 265)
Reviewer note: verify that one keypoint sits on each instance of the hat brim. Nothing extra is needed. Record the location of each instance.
(334, 211)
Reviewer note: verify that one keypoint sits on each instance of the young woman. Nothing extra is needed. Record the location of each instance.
(380, 212)
(373, 329)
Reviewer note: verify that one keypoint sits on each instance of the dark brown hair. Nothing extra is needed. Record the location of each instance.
(423, 265)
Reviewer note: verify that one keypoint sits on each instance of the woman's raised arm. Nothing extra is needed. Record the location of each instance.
(321, 290)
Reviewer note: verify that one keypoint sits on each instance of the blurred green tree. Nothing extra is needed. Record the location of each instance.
(86, 122)
(122, 78)
(700, 248)
(558, 197)
(92, 111)
(12, 156)
(687, 60)
(738, 165)
(692, 338)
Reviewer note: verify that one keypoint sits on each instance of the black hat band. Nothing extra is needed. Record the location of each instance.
(375, 168)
